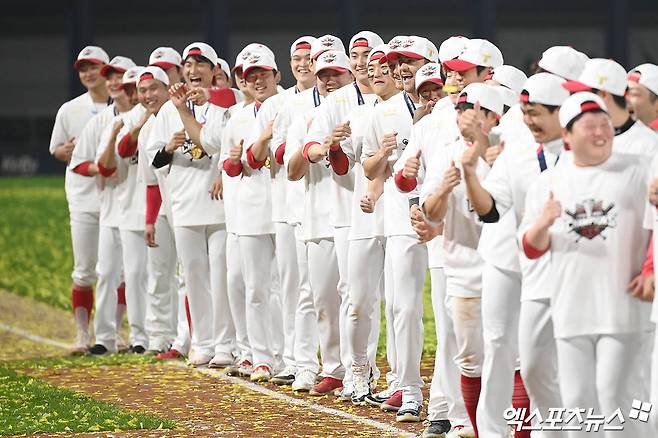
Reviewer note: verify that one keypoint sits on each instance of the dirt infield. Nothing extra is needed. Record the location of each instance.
(201, 404)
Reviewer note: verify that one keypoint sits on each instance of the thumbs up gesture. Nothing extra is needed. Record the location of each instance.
(552, 211)
(412, 165)
(451, 179)
(493, 152)
(235, 153)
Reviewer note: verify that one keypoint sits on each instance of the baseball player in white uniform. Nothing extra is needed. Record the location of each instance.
(642, 94)
(333, 71)
(366, 241)
(443, 198)
(198, 217)
(223, 141)
(254, 215)
(386, 139)
(586, 213)
(81, 192)
(517, 166)
(94, 139)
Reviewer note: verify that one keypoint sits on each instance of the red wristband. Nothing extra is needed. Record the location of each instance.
(232, 169)
(530, 251)
(105, 171)
(405, 184)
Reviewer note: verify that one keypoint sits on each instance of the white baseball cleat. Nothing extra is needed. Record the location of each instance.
(304, 381)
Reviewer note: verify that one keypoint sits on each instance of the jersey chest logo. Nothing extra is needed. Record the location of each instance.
(590, 219)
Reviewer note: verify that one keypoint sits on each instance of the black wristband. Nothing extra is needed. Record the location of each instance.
(162, 158)
(492, 216)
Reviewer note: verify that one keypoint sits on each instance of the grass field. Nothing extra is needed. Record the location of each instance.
(29, 405)
(35, 242)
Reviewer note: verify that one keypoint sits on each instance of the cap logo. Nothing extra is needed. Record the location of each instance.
(429, 70)
(86, 52)
(131, 75)
(115, 61)
(327, 41)
(329, 58)
(158, 54)
(602, 80)
(485, 58)
(394, 43)
(408, 43)
(253, 59)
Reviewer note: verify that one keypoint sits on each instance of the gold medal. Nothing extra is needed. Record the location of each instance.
(196, 152)
(268, 162)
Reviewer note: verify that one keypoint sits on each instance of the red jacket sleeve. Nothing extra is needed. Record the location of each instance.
(83, 168)
(647, 268)
(153, 202)
(223, 97)
(105, 171)
(280, 152)
(338, 160)
(405, 184)
(127, 147)
(252, 162)
(530, 251)
(231, 168)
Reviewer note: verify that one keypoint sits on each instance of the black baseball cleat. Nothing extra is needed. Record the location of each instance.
(136, 349)
(98, 350)
(437, 429)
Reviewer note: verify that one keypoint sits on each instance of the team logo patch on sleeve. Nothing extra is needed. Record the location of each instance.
(591, 218)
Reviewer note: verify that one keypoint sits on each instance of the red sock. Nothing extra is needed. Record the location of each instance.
(187, 313)
(121, 294)
(471, 394)
(82, 296)
(520, 401)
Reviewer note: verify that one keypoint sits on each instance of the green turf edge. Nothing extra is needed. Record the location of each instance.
(79, 361)
(29, 405)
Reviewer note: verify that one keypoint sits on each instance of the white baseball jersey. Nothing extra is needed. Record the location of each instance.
(110, 209)
(85, 150)
(596, 245)
(639, 139)
(392, 115)
(335, 110)
(71, 118)
(220, 141)
(513, 172)
(498, 245)
(151, 175)
(131, 191)
(286, 193)
(296, 134)
(461, 232)
(362, 225)
(429, 134)
(189, 179)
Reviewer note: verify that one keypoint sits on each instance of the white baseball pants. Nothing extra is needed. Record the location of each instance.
(289, 286)
(409, 265)
(109, 277)
(501, 306)
(446, 400)
(538, 357)
(162, 287)
(202, 251)
(236, 295)
(366, 273)
(84, 240)
(256, 253)
(306, 324)
(466, 314)
(594, 373)
(341, 245)
(179, 316)
(135, 261)
(323, 277)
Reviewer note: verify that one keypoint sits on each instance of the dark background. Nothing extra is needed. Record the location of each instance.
(39, 41)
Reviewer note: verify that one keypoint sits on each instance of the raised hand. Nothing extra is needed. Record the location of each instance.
(412, 165)
(552, 211)
(178, 95)
(451, 178)
(493, 152)
(341, 132)
(235, 153)
(177, 140)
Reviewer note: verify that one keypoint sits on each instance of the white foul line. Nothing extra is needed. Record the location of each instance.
(33, 337)
(297, 401)
(234, 380)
